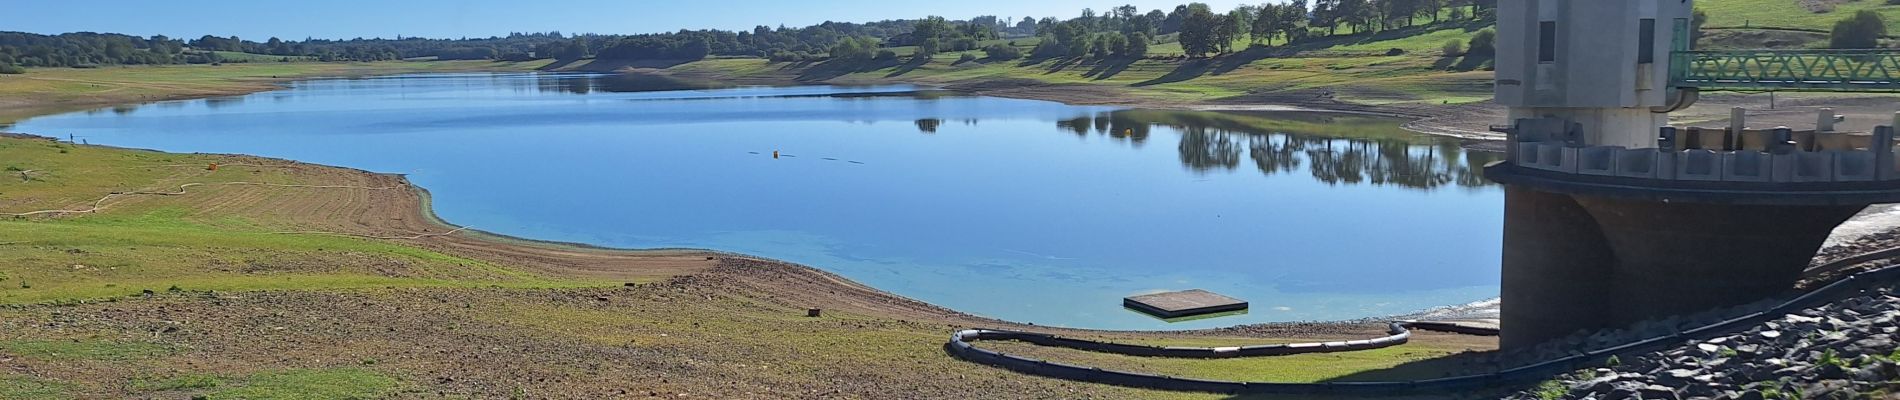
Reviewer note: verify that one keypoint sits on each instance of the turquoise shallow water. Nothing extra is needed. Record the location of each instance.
(1023, 210)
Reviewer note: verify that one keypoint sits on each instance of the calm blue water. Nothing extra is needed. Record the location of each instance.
(1024, 210)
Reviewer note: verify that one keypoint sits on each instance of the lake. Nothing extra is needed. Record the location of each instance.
(1024, 210)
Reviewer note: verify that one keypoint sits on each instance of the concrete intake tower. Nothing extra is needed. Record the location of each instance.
(1611, 215)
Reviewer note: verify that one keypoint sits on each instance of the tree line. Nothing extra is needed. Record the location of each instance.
(1203, 31)
(1123, 31)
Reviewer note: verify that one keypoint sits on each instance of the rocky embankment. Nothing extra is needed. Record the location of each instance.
(1841, 350)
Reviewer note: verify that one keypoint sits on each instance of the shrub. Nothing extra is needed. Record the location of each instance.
(1137, 45)
(1453, 48)
(963, 44)
(11, 69)
(1483, 43)
(886, 55)
(966, 57)
(1860, 31)
(1003, 52)
(1049, 48)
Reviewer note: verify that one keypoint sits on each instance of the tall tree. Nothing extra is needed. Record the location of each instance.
(1199, 27)
(1266, 24)
(1326, 14)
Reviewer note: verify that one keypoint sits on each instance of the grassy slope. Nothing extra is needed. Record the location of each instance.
(145, 245)
(1355, 66)
(1787, 13)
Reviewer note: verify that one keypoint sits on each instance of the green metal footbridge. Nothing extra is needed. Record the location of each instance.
(1872, 70)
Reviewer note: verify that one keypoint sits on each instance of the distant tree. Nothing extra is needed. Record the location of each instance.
(1266, 24)
(1242, 17)
(1293, 16)
(855, 49)
(1361, 15)
(1137, 45)
(1174, 20)
(1154, 20)
(929, 47)
(1073, 36)
(1227, 30)
(1860, 31)
(1199, 31)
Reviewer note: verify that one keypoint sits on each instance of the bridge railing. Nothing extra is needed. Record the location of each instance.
(1832, 70)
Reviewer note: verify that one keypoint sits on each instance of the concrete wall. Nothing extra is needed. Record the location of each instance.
(1710, 165)
(1596, 63)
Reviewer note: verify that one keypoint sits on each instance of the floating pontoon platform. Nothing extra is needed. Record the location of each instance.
(1184, 303)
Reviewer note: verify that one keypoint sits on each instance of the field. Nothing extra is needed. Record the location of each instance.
(1790, 14)
(1346, 69)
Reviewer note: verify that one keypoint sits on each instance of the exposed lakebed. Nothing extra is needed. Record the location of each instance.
(1017, 209)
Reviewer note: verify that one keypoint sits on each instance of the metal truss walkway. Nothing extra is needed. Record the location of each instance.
(1873, 70)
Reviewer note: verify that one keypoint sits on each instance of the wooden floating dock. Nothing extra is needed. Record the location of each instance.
(1184, 303)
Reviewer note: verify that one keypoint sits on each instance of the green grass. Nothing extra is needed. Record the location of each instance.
(178, 383)
(1304, 368)
(236, 57)
(84, 349)
(1355, 67)
(1787, 13)
(342, 383)
(26, 388)
(157, 243)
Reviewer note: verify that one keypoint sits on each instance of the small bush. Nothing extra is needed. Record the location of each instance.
(1453, 48)
(1003, 52)
(11, 69)
(1860, 31)
(886, 55)
(966, 57)
(1483, 43)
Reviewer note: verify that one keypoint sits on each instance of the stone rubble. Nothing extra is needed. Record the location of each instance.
(1843, 350)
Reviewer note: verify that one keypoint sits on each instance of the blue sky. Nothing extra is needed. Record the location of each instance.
(334, 19)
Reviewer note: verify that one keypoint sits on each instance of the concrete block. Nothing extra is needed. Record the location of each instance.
(1882, 145)
(1636, 163)
(1598, 160)
(1569, 157)
(1782, 167)
(1666, 164)
(1853, 165)
(1527, 155)
(1747, 166)
(1699, 165)
(1813, 166)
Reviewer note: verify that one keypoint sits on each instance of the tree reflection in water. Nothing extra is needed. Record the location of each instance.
(1333, 148)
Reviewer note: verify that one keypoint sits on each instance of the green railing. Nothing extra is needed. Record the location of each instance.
(1823, 70)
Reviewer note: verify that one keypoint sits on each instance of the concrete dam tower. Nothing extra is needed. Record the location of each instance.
(1611, 215)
